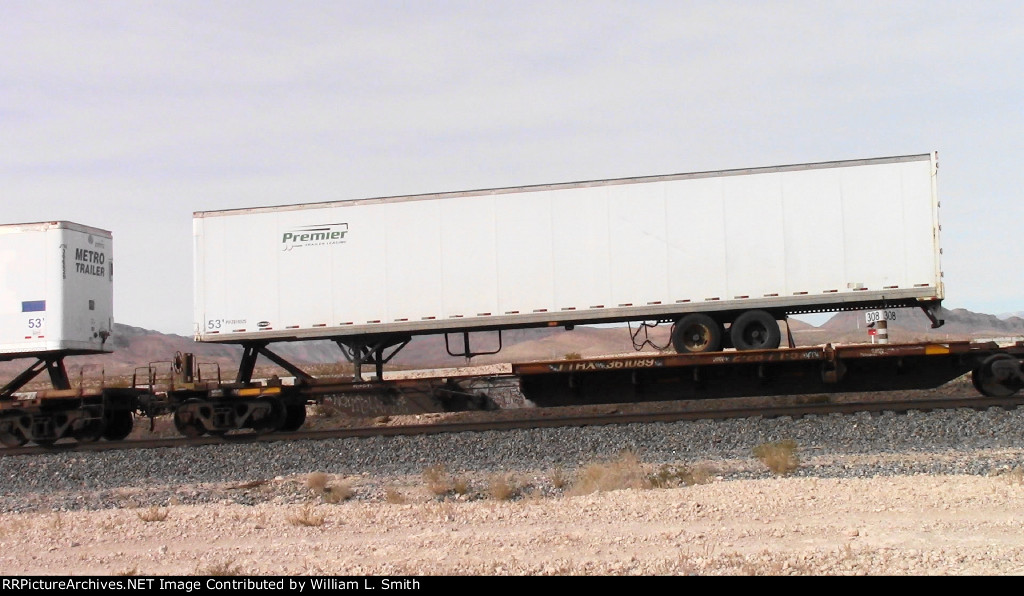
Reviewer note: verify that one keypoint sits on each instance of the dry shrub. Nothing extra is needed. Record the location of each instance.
(337, 493)
(394, 496)
(671, 476)
(780, 457)
(625, 472)
(559, 479)
(436, 479)
(502, 487)
(320, 484)
(222, 568)
(153, 514)
(306, 516)
(573, 356)
(317, 481)
(700, 475)
(1012, 476)
(460, 486)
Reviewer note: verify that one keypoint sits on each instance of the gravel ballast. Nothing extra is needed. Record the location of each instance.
(918, 493)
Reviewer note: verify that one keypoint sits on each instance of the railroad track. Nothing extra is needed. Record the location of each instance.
(606, 414)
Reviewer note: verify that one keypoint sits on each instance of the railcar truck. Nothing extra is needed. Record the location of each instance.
(722, 256)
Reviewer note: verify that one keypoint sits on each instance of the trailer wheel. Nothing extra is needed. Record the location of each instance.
(696, 332)
(755, 330)
(118, 425)
(990, 382)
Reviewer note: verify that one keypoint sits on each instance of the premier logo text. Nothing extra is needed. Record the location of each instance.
(318, 235)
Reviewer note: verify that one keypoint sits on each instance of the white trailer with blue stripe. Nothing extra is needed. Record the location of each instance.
(56, 289)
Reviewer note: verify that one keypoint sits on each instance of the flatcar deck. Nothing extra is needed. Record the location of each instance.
(785, 371)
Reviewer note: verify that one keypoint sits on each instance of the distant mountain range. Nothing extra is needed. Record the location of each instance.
(136, 347)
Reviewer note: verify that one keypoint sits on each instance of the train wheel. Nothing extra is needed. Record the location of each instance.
(118, 425)
(696, 332)
(755, 330)
(92, 431)
(185, 420)
(275, 418)
(13, 438)
(294, 417)
(991, 383)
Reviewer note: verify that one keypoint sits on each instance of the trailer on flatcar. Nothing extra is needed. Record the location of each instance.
(721, 256)
(57, 284)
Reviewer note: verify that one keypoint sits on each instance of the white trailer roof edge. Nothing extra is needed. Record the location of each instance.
(45, 225)
(932, 156)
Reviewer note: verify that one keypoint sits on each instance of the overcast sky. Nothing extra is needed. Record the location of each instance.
(129, 116)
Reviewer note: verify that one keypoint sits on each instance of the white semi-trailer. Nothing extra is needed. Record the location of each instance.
(56, 289)
(721, 255)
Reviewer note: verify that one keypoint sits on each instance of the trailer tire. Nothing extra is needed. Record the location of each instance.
(696, 332)
(755, 330)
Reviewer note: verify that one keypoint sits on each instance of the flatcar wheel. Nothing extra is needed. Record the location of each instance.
(118, 425)
(755, 330)
(92, 431)
(185, 421)
(696, 332)
(276, 417)
(989, 383)
(294, 417)
(13, 438)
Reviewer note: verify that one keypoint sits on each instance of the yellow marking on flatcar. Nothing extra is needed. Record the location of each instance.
(258, 391)
(936, 349)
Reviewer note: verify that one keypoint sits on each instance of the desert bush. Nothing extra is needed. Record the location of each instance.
(306, 516)
(320, 484)
(780, 457)
(573, 356)
(460, 485)
(394, 496)
(671, 476)
(502, 487)
(153, 514)
(625, 472)
(223, 568)
(559, 479)
(337, 493)
(437, 480)
(1014, 475)
(317, 481)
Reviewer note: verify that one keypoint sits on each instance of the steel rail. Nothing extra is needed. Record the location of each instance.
(546, 421)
